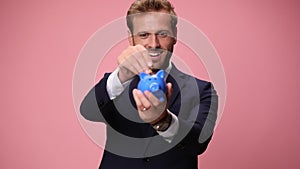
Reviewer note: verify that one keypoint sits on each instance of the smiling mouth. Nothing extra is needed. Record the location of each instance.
(155, 53)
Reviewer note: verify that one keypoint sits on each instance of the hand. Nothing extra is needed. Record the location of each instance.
(150, 108)
(132, 61)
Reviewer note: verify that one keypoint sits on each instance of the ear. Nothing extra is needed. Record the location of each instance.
(160, 74)
(130, 38)
(175, 35)
(143, 75)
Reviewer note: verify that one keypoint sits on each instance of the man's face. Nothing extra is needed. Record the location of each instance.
(153, 30)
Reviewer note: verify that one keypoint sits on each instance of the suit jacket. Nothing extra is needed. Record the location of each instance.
(133, 144)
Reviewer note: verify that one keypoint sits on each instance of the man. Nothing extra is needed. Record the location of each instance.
(143, 131)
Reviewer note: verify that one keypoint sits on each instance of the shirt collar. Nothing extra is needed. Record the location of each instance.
(168, 69)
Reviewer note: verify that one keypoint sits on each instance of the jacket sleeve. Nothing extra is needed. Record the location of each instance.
(96, 99)
(197, 123)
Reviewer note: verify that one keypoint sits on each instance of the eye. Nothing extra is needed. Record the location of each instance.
(143, 35)
(162, 34)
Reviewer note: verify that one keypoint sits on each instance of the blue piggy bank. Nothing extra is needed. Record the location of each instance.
(153, 83)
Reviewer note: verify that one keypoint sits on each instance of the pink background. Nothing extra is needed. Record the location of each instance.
(257, 40)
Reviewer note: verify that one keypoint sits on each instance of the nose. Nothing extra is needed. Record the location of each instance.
(153, 41)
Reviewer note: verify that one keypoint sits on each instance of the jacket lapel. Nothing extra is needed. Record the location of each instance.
(176, 78)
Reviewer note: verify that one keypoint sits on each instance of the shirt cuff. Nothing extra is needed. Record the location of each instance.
(169, 134)
(114, 86)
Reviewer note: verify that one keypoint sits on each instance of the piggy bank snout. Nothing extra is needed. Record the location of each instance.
(154, 87)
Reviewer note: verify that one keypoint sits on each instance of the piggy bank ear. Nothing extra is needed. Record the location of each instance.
(143, 75)
(160, 74)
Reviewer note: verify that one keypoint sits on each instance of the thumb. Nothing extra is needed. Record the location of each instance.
(169, 90)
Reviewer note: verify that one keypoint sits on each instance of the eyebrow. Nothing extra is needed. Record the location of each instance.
(155, 32)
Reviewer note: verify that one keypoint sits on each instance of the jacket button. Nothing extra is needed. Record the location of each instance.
(181, 146)
(101, 103)
(146, 159)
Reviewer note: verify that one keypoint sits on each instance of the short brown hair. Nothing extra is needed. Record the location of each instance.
(141, 6)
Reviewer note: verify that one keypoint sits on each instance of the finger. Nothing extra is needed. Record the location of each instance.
(147, 62)
(129, 66)
(129, 60)
(124, 62)
(153, 99)
(141, 101)
(135, 61)
(144, 100)
(169, 90)
(132, 63)
(138, 61)
(137, 100)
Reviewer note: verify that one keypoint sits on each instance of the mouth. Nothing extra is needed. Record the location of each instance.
(155, 53)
